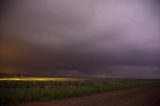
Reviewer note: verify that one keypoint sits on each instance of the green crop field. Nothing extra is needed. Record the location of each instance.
(26, 89)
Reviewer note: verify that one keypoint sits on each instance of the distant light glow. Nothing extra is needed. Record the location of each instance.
(39, 79)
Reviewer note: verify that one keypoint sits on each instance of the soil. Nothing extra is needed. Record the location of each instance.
(140, 96)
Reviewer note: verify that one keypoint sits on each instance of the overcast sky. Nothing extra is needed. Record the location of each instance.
(98, 38)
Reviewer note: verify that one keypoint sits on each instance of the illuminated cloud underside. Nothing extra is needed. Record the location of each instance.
(102, 38)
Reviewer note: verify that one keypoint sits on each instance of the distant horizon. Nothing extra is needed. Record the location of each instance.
(63, 76)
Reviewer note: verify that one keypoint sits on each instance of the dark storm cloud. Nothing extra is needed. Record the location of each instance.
(93, 37)
(3, 4)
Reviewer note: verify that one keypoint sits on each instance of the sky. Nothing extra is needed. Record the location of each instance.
(88, 38)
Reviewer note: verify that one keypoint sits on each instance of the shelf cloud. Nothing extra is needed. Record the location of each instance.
(97, 38)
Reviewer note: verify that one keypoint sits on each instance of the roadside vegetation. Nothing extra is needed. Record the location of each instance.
(18, 91)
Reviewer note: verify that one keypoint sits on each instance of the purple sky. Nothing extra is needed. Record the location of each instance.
(99, 38)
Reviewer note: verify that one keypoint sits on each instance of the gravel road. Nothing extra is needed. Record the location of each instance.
(141, 96)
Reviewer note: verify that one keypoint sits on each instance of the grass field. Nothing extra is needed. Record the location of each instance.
(17, 90)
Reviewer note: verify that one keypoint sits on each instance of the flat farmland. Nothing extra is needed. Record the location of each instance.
(29, 89)
(139, 96)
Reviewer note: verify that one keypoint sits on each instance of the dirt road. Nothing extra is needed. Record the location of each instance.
(142, 96)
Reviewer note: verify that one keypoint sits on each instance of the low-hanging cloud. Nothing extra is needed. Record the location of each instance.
(95, 37)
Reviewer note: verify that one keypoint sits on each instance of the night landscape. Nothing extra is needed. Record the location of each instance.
(80, 53)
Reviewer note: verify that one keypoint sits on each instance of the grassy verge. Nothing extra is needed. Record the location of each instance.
(12, 92)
